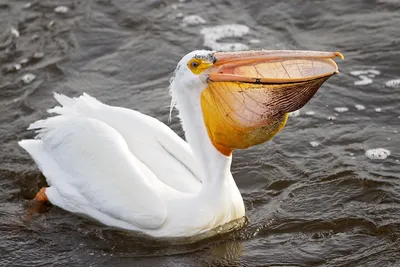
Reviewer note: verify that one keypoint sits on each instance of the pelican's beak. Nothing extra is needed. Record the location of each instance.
(250, 94)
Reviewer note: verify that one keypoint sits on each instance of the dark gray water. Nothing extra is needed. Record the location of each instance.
(313, 197)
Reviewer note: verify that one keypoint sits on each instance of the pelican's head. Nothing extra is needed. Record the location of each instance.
(245, 97)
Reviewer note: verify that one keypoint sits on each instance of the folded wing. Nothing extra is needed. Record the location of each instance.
(92, 158)
(151, 141)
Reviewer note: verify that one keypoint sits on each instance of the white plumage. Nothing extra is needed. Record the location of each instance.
(131, 171)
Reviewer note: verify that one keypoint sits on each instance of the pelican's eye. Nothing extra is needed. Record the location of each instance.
(194, 64)
(198, 65)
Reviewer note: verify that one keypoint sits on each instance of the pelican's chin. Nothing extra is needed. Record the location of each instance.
(250, 94)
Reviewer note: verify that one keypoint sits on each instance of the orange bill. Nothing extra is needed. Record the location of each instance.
(250, 94)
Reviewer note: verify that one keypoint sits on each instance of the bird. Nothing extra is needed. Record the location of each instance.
(130, 171)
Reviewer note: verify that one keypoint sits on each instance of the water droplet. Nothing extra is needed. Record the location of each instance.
(310, 113)
(377, 153)
(378, 109)
(359, 107)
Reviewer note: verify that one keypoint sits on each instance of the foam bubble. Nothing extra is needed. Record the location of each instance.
(28, 78)
(17, 66)
(393, 83)
(310, 113)
(295, 113)
(341, 109)
(331, 118)
(364, 80)
(193, 20)
(377, 153)
(362, 72)
(314, 143)
(360, 107)
(212, 35)
(14, 32)
(61, 9)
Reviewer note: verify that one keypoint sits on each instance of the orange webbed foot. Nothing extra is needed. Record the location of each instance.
(39, 204)
(41, 195)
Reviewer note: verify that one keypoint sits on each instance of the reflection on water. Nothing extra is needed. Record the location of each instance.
(324, 192)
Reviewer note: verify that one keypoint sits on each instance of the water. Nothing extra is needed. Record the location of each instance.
(324, 205)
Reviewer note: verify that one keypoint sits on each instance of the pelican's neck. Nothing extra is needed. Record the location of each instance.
(219, 200)
(214, 166)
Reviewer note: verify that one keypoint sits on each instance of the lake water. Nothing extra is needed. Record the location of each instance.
(324, 192)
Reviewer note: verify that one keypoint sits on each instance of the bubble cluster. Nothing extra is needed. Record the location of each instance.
(212, 36)
(28, 78)
(359, 107)
(365, 76)
(377, 153)
(393, 83)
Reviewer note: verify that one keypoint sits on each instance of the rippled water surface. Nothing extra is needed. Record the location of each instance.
(316, 195)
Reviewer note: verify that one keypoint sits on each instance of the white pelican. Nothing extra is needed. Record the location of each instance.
(130, 171)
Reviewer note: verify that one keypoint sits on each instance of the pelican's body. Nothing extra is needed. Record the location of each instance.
(128, 170)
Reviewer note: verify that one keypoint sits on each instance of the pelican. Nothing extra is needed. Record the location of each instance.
(130, 171)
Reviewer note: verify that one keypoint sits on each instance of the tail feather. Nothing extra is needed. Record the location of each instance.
(74, 105)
